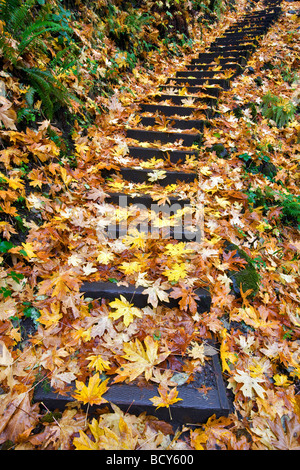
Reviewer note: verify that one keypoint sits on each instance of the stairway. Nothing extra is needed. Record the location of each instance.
(189, 99)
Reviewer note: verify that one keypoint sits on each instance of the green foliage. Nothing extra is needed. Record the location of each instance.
(28, 31)
(278, 109)
(268, 198)
(50, 90)
(261, 165)
(247, 277)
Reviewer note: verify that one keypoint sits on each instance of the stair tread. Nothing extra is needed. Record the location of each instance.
(194, 407)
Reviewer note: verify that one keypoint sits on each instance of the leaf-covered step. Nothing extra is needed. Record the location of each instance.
(239, 49)
(209, 57)
(169, 110)
(223, 63)
(210, 92)
(146, 200)
(179, 233)
(244, 35)
(182, 99)
(146, 153)
(164, 137)
(235, 42)
(110, 291)
(205, 74)
(221, 82)
(176, 123)
(141, 175)
(199, 400)
(247, 29)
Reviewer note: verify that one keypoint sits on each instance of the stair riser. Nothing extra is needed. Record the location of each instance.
(198, 81)
(212, 92)
(172, 110)
(172, 177)
(148, 153)
(176, 123)
(179, 100)
(164, 137)
(224, 66)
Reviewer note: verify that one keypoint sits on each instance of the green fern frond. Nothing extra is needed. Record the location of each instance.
(16, 14)
(37, 29)
(277, 109)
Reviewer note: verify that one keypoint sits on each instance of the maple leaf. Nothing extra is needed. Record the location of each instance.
(120, 438)
(17, 416)
(176, 272)
(166, 397)
(63, 281)
(28, 248)
(7, 115)
(141, 360)
(197, 351)
(88, 269)
(156, 175)
(105, 257)
(98, 363)
(48, 318)
(250, 384)
(188, 297)
(188, 102)
(136, 239)
(8, 308)
(177, 249)
(57, 435)
(130, 267)
(288, 438)
(157, 292)
(125, 309)
(91, 393)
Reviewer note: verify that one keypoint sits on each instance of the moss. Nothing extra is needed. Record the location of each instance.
(247, 276)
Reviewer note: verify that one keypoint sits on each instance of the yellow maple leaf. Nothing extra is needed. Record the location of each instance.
(281, 380)
(176, 272)
(225, 354)
(125, 309)
(105, 257)
(91, 393)
(136, 239)
(28, 248)
(98, 363)
(122, 437)
(250, 384)
(130, 267)
(141, 360)
(48, 318)
(176, 250)
(197, 351)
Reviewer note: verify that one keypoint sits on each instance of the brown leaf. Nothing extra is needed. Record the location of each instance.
(7, 115)
(17, 415)
(288, 438)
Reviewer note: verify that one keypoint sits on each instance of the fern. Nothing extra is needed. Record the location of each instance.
(49, 89)
(15, 14)
(28, 32)
(37, 29)
(278, 109)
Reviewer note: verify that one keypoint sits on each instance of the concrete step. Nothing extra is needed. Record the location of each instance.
(169, 110)
(165, 137)
(141, 176)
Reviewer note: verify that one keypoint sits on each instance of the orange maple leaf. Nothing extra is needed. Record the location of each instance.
(91, 393)
(167, 397)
